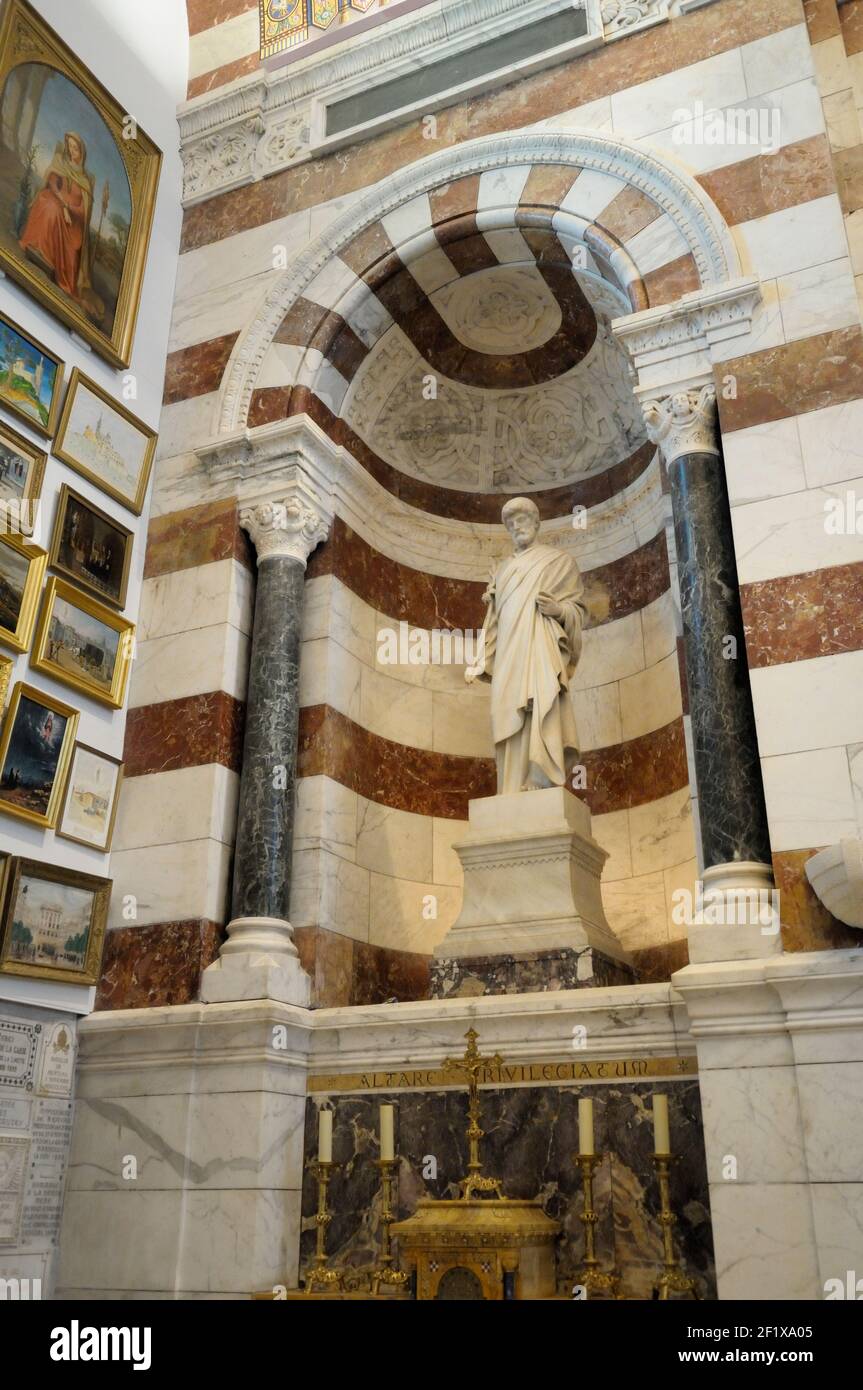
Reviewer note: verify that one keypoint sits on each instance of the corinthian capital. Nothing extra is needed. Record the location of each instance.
(288, 526)
(683, 422)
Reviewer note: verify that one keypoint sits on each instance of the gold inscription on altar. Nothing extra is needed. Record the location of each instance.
(516, 1074)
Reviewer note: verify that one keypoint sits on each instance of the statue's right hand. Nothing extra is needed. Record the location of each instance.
(472, 673)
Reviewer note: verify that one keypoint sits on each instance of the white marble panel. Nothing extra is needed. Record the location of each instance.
(680, 876)
(126, 1261)
(777, 59)
(752, 1116)
(833, 1153)
(461, 723)
(809, 704)
(223, 43)
(651, 699)
(184, 424)
(329, 891)
(326, 817)
(654, 105)
(221, 592)
(252, 251)
(446, 867)
(409, 916)
(591, 193)
(408, 220)
(794, 111)
(331, 609)
(636, 911)
(190, 663)
(433, 270)
(218, 311)
(239, 1242)
(767, 330)
(809, 798)
(153, 1129)
(610, 652)
(597, 715)
(842, 119)
(246, 1140)
(390, 841)
(837, 1209)
(187, 803)
(509, 246)
(793, 238)
(764, 461)
(832, 444)
(831, 65)
(611, 831)
(764, 1241)
(788, 535)
(396, 710)
(818, 299)
(594, 114)
(329, 675)
(170, 883)
(501, 188)
(659, 626)
(656, 244)
(330, 284)
(661, 833)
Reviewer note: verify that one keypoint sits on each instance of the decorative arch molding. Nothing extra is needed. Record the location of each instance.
(691, 210)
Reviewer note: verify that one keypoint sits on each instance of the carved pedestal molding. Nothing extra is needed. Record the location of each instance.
(285, 506)
(672, 349)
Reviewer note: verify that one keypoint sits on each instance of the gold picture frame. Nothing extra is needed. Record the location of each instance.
(24, 383)
(15, 554)
(19, 496)
(73, 649)
(69, 553)
(6, 666)
(89, 447)
(65, 921)
(75, 228)
(31, 745)
(84, 800)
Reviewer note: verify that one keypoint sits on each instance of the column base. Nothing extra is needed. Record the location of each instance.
(258, 961)
(740, 915)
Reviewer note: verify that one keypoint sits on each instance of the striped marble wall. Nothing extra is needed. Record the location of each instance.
(388, 761)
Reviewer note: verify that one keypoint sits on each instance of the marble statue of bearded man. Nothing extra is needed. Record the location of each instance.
(531, 646)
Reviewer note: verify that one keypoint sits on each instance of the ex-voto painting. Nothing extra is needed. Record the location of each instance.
(78, 182)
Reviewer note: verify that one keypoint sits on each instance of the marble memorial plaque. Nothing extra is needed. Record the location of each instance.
(43, 1199)
(13, 1174)
(57, 1067)
(19, 1043)
(15, 1113)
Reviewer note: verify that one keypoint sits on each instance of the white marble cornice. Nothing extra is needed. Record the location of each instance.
(272, 119)
(258, 465)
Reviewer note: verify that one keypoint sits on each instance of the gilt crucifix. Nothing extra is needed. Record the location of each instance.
(469, 1067)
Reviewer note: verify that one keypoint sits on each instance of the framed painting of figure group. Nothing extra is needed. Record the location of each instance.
(78, 181)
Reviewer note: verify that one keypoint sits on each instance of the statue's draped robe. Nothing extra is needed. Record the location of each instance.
(529, 658)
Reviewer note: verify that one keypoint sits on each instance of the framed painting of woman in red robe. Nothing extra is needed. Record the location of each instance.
(78, 183)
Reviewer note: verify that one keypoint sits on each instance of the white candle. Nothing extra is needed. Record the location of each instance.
(661, 1133)
(325, 1136)
(585, 1126)
(388, 1143)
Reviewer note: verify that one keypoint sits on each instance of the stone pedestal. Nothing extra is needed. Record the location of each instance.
(532, 914)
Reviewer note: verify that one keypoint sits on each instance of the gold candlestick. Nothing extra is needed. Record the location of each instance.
(593, 1279)
(331, 1279)
(384, 1272)
(673, 1278)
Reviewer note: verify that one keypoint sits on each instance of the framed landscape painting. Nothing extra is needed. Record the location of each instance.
(22, 567)
(22, 470)
(78, 181)
(92, 793)
(53, 924)
(31, 378)
(84, 644)
(105, 443)
(91, 547)
(35, 749)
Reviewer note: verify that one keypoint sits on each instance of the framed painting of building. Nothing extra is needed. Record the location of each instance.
(92, 793)
(105, 443)
(83, 644)
(53, 924)
(91, 548)
(78, 183)
(22, 472)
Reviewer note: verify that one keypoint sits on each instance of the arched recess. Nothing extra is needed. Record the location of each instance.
(689, 223)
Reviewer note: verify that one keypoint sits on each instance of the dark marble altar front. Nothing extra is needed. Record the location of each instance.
(531, 1134)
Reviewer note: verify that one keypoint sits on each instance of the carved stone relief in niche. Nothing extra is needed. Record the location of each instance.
(500, 310)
